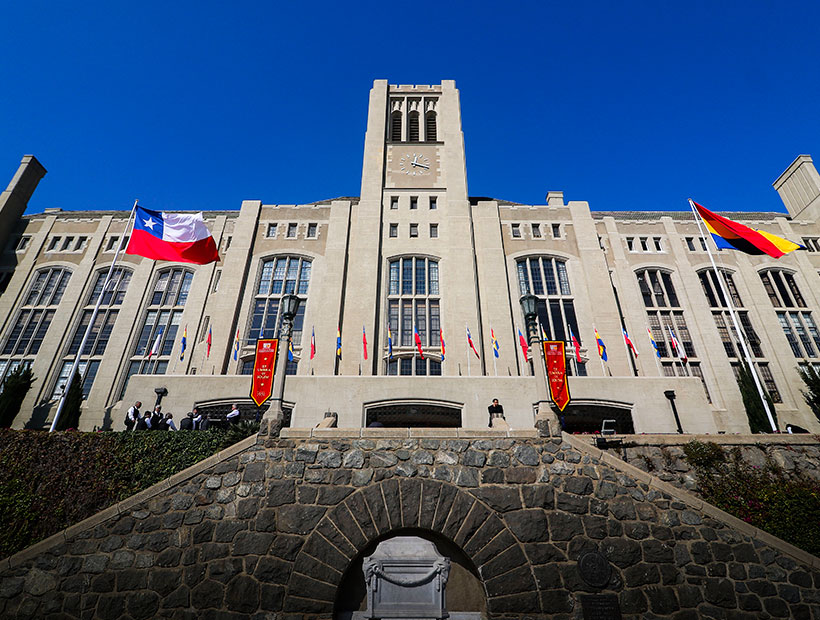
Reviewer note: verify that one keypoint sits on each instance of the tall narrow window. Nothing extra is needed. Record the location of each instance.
(665, 317)
(413, 303)
(547, 279)
(430, 132)
(160, 324)
(796, 320)
(413, 127)
(433, 202)
(26, 333)
(279, 276)
(100, 333)
(395, 126)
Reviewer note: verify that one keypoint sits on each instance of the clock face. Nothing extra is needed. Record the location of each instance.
(414, 164)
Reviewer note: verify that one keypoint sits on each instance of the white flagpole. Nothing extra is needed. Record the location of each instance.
(574, 356)
(466, 329)
(656, 356)
(733, 314)
(672, 341)
(93, 318)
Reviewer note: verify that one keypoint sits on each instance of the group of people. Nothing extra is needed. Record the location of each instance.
(155, 420)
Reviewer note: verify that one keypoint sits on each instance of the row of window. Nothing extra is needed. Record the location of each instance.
(412, 133)
(432, 202)
(536, 231)
(812, 243)
(68, 243)
(292, 230)
(413, 231)
(644, 244)
(695, 244)
(413, 306)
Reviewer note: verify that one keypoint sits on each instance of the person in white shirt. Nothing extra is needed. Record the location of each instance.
(233, 415)
(169, 422)
(132, 416)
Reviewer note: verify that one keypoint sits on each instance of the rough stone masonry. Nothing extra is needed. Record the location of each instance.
(269, 528)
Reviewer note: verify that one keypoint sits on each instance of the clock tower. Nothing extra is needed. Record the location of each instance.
(411, 237)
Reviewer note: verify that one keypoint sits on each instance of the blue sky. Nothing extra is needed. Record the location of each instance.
(190, 105)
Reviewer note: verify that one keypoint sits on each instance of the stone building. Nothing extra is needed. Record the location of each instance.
(416, 252)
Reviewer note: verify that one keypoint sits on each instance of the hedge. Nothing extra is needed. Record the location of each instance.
(51, 481)
(787, 506)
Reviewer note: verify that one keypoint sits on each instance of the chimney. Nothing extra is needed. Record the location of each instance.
(14, 200)
(799, 189)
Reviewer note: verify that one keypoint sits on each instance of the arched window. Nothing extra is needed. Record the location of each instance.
(161, 322)
(792, 312)
(547, 278)
(413, 127)
(279, 276)
(395, 126)
(100, 333)
(726, 329)
(430, 134)
(413, 302)
(23, 339)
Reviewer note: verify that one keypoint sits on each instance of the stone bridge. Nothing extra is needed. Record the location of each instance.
(277, 527)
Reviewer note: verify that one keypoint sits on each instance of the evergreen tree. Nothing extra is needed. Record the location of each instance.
(70, 416)
(17, 384)
(811, 377)
(758, 420)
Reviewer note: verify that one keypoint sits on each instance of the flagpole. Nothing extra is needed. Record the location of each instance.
(732, 313)
(574, 357)
(656, 356)
(91, 321)
(469, 374)
(672, 341)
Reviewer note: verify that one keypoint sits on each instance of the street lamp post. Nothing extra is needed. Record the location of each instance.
(545, 420)
(275, 414)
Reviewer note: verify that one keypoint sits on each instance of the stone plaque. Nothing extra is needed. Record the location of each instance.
(595, 569)
(600, 607)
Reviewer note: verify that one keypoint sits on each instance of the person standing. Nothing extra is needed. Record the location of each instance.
(169, 422)
(156, 418)
(144, 423)
(187, 423)
(132, 416)
(233, 415)
(198, 417)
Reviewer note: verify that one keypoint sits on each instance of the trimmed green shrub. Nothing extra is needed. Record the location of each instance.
(785, 506)
(811, 377)
(758, 420)
(70, 415)
(15, 387)
(53, 480)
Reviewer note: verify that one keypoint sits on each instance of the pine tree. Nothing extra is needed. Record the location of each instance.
(758, 420)
(17, 384)
(811, 377)
(70, 416)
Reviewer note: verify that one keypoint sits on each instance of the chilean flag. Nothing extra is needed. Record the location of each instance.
(470, 342)
(441, 340)
(524, 346)
(177, 237)
(364, 342)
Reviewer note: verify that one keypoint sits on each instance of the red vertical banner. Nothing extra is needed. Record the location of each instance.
(264, 365)
(556, 359)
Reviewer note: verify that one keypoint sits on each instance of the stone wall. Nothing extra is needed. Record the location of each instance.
(269, 530)
(663, 455)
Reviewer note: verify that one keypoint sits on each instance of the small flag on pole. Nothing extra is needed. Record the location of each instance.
(441, 340)
(364, 342)
(654, 344)
(575, 345)
(209, 341)
(629, 342)
(339, 342)
(290, 350)
(312, 342)
(601, 345)
(418, 341)
(184, 344)
(525, 349)
(541, 329)
(236, 345)
(494, 341)
(679, 351)
(470, 342)
(157, 342)
(389, 343)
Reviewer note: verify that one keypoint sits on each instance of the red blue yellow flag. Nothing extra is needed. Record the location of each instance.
(601, 345)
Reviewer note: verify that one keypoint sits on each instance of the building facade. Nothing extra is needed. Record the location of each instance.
(415, 253)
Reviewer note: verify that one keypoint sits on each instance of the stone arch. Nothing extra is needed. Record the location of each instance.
(384, 508)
